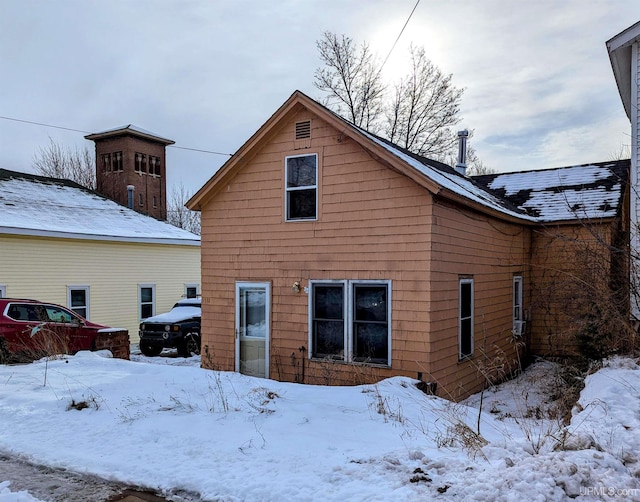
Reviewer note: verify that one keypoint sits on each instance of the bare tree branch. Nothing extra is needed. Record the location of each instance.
(178, 214)
(56, 161)
(351, 77)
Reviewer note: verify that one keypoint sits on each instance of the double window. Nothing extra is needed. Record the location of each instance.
(301, 175)
(351, 321)
(154, 165)
(465, 318)
(112, 162)
(140, 164)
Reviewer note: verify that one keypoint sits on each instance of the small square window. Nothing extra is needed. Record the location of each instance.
(191, 290)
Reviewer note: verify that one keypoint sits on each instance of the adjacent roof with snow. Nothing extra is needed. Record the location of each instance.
(130, 130)
(42, 206)
(563, 194)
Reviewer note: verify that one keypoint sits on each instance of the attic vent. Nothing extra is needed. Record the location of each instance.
(303, 129)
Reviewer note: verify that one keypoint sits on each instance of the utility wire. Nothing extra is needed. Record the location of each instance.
(400, 34)
(43, 125)
(88, 132)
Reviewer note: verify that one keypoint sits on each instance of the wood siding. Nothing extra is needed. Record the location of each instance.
(492, 252)
(373, 223)
(42, 268)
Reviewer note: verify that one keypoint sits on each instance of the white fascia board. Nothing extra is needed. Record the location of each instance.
(90, 237)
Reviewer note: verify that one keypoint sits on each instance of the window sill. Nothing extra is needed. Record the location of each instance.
(349, 363)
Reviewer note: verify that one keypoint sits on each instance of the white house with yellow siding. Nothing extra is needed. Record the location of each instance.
(63, 243)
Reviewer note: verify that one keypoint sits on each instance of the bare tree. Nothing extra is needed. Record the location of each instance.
(59, 162)
(178, 214)
(424, 108)
(421, 112)
(351, 77)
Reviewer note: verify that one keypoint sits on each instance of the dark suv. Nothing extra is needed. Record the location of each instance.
(30, 329)
(179, 328)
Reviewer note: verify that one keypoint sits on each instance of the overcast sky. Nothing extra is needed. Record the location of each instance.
(539, 90)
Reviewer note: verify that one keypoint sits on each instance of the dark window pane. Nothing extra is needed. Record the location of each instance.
(328, 321)
(146, 311)
(192, 292)
(371, 342)
(301, 171)
(465, 338)
(78, 298)
(328, 302)
(302, 204)
(370, 303)
(146, 295)
(328, 339)
(465, 299)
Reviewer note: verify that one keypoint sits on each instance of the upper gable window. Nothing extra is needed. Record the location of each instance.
(301, 174)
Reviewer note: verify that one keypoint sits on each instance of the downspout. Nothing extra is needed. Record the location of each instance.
(130, 189)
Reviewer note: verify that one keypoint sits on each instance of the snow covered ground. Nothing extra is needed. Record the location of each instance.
(174, 427)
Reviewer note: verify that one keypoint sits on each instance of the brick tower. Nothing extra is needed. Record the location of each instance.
(131, 168)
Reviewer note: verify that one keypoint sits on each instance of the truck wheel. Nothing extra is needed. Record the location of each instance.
(190, 345)
(149, 349)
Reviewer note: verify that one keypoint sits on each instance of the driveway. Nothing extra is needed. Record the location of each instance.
(54, 485)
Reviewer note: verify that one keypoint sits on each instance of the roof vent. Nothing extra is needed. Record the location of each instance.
(461, 166)
(303, 129)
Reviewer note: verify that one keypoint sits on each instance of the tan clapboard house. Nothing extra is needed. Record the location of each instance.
(63, 243)
(331, 256)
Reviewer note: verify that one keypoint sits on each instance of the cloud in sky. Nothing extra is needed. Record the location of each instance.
(539, 90)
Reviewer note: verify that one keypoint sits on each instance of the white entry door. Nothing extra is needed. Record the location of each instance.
(252, 328)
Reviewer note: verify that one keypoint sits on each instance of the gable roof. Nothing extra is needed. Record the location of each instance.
(619, 48)
(566, 193)
(52, 207)
(440, 179)
(129, 130)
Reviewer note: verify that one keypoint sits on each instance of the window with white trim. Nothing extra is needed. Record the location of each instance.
(301, 193)
(465, 318)
(3, 291)
(191, 290)
(518, 318)
(351, 321)
(147, 300)
(78, 300)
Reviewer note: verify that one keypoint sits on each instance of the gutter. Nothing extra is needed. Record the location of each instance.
(91, 237)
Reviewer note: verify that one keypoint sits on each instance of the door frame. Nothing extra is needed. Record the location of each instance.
(267, 321)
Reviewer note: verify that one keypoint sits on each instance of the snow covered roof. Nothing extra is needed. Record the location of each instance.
(42, 206)
(563, 194)
(131, 130)
(447, 177)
